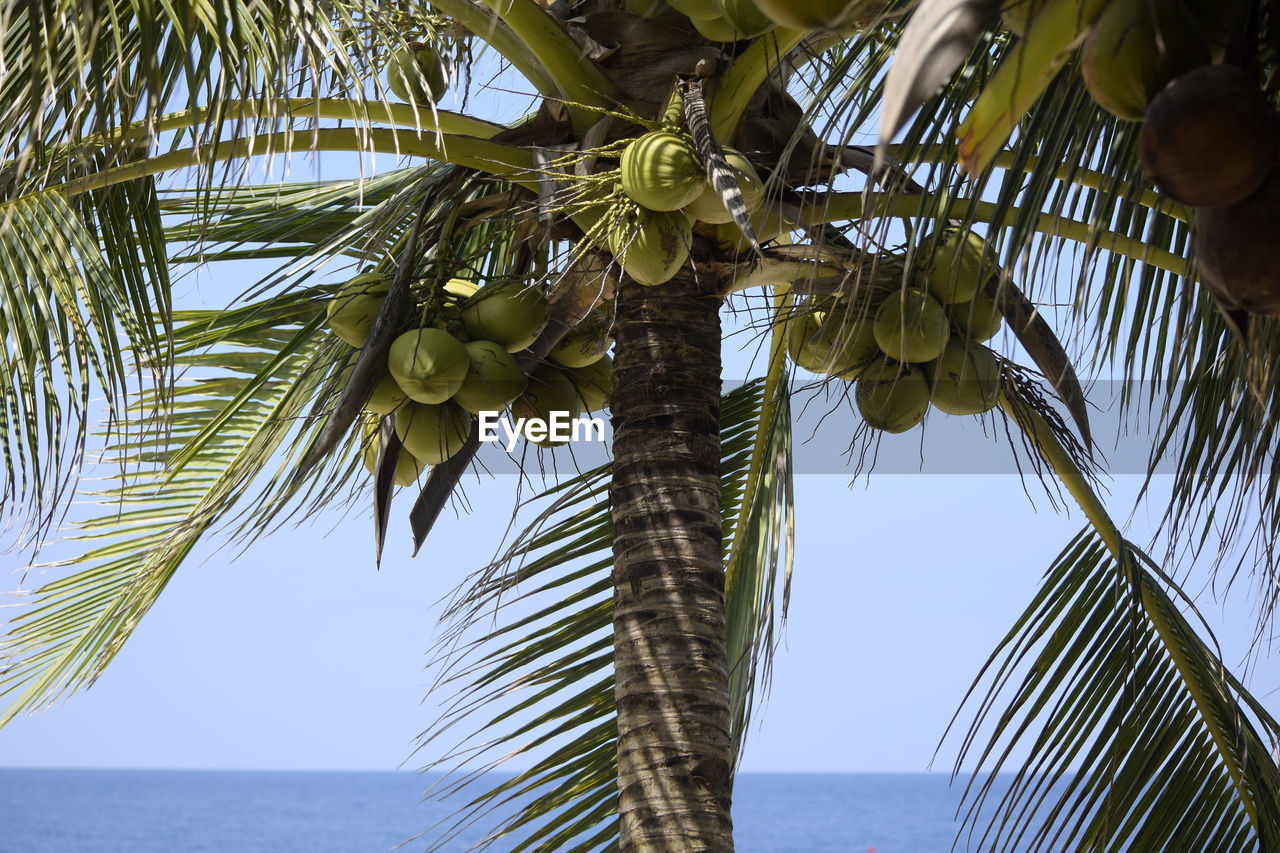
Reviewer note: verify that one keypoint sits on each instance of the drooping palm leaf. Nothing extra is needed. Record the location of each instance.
(1139, 738)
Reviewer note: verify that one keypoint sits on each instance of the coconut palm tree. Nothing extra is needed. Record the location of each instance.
(647, 588)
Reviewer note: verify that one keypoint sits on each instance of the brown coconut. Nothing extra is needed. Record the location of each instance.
(1210, 137)
(1238, 250)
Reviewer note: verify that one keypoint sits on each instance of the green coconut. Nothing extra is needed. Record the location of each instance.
(965, 379)
(959, 265)
(708, 207)
(460, 288)
(1210, 137)
(511, 314)
(386, 397)
(661, 171)
(745, 17)
(594, 383)
(433, 433)
(415, 74)
(355, 306)
(801, 324)
(428, 364)
(651, 246)
(912, 326)
(1135, 48)
(893, 397)
(493, 380)
(551, 395)
(584, 344)
(408, 466)
(844, 343)
(814, 14)
(977, 320)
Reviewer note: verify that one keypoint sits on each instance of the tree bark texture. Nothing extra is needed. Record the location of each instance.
(671, 670)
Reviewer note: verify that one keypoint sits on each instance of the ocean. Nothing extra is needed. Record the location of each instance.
(179, 811)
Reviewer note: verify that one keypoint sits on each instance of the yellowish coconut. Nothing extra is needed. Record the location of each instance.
(912, 326)
(959, 264)
(695, 8)
(965, 379)
(845, 341)
(977, 320)
(1135, 48)
(511, 314)
(651, 246)
(355, 306)
(493, 380)
(661, 171)
(433, 433)
(594, 383)
(893, 397)
(550, 397)
(386, 396)
(584, 344)
(408, 467)
(801, 325)
(708, 207)
(416, 74)
(428, 364)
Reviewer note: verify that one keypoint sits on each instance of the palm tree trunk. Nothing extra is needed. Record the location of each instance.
(671, 673)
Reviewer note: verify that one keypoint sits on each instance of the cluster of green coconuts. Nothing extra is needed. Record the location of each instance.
(911, 347)
(461, 364)
(1210, 136)
(662, 173)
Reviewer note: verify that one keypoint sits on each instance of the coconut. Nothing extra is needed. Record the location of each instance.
(1135, 48)
(844, 343)
(801, 325)
(428, 364)
(408, 467)
(745, 17)
(977, 320)
(1210, 137)
(892, 397)
(594, 383)
(960, 263)
(551, 397)
(433, 433)
(651, 246)
(386, 396)
(912, 326)
(1238, 251)
(965, 379)
(355, 306)
(709, 207)
(814, 14)
(460, 288)
(416, 74)
(584, 344)
(661, 171)
(493, 380)
(511, 314)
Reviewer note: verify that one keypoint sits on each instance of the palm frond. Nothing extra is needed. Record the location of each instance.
(182, 467)
(538, 676)
(1139, 738)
